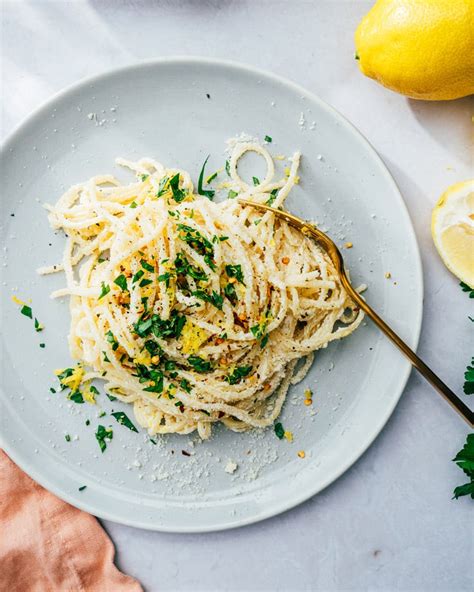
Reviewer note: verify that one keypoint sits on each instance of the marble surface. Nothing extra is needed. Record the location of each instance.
(389, 523)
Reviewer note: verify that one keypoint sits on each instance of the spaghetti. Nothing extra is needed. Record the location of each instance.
(194, 311)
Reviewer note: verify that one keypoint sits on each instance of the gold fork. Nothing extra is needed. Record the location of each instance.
(309, 230)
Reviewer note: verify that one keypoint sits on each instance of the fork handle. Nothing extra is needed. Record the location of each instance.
(416, 361)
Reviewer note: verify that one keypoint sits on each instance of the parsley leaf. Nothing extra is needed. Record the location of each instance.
(105, 290)
(26, 310)
(121, 282)
(268, 139)
(469, 379)
(82, 487)
(466, 288)
(76, 397)
(178, 194)
(122, 418)
(185, 385)
(162, 189)
(147, 265)
(235, 271)
(259, 332)
(232, 194)
(171, 327)
(183, 267)
(230, 293)
(199, 364)
(227, 167)
(144, 283)
(102, 434)
(256, 181)
(38, 326)
(140, 273)
(272, 198)
(198, 242)
(279, 430)
(465, 461)
(216, 299)
(239, 373)
(111, 339)
(207, 193)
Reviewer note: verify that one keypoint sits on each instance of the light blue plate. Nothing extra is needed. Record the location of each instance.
(178, 111)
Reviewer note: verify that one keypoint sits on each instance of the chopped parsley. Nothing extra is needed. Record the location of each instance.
(178, 194)
(235, 271)
(140, 273)
(465, 461)
(106, 358)
(102, 434)
(268, 139)
(145, 282)
(259, 332)
(67, 437)
(160, 328)
(279, 430)
(239, 373)
(42, 345)
(111, 339)
(466, 288)
(76, 397)
(147, 265)
(232, 194)
(216, 299)
(469, 379)
(144, 177)
(162, 189)
(256, 181)
(111, 397)
(82, 487)
(209, 193)
(227, 167)
(272, 198)
(105, 290)
(26, 310)
(230, 293)
(154, 376)
(199, 364)
(133, 205)
(38, 326)
(121, 282)
(122, 418)
(185, 385)
(153, 347)
(66, 373)
(183, 267)
(199, 243)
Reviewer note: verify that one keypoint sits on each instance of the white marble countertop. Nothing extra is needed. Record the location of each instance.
(389, 523)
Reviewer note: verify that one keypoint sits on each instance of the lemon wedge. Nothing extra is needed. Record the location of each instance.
(452, 229)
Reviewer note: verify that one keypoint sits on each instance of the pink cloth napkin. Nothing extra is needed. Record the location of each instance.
(46, 545)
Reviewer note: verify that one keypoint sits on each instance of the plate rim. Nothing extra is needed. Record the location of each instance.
(277, 508)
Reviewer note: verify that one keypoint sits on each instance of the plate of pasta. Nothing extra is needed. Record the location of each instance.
(174, 359)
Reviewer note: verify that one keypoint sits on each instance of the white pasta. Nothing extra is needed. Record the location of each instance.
(193, 311)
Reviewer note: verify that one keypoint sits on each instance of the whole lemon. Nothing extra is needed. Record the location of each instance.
(421, 48)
